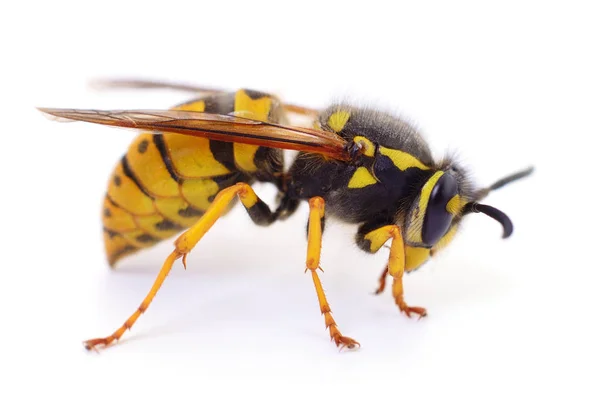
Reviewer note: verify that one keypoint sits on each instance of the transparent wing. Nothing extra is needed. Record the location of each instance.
(107, 84)
(151, 84)
(226, 128)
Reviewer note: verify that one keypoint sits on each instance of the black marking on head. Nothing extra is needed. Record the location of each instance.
(117, 180)
(190, 211)
(143, 146)
(107, 212)
(437, 219)
(146, 238)
(129, 173)
(166, 225)
(159, 142)
(223, 153)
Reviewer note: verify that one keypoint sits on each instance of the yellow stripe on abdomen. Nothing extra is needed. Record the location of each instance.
(165, 181)
(126, 193)
(115, 218)
(146, 162)
(199, 192)
(178, 210)
(191, 156)
(256, 109)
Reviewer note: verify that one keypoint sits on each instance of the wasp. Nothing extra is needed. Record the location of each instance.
(361, 166)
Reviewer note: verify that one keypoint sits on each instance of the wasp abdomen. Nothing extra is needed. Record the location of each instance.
(166, 181)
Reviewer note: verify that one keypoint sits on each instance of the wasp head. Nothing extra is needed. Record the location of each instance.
(445, 198)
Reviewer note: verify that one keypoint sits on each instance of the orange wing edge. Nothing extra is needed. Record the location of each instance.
(215, 127)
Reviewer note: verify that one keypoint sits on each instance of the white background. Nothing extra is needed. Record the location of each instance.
(513, 324)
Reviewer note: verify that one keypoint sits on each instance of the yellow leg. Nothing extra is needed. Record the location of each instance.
(183, 245)
(396, 265)
(313, 256)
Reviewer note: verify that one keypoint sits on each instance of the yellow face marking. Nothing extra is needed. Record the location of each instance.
(195, 106)
(197, 192)
(402, 160)
(445, 240)
(123, 191)
(361, 178)
(367, 144)
(455, 205)
(338, 120)
(148, 166)
(256, 109)
(415, 257)
(426, 193)
(416, 220)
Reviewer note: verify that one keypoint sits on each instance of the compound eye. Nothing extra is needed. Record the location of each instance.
(437, 218)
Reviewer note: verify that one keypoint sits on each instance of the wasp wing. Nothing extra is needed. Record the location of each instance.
(226, 128)
(103, 84)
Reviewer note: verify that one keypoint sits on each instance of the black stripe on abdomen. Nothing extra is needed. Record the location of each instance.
(159, 142)
(129, 173)
(223, 153)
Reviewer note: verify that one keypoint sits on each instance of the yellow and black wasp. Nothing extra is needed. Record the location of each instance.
(358, 165)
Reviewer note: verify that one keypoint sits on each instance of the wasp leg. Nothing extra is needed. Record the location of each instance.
(365, 244)
(382, 279)
(398, 293)
(313, 256)
(372, 241)
(258, 211)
